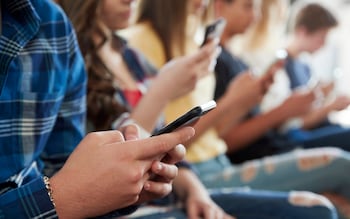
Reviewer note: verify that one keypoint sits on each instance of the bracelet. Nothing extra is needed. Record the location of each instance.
(49, 189)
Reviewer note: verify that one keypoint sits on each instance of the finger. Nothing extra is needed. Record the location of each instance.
(159, 189)
(205, 52)
(219, 214)
(106, 137)
(158, 146)
(130, 132)
(268, 76)
(175, 155)
(164, 172)
(209, 213)
(226, 216)
(193, 212)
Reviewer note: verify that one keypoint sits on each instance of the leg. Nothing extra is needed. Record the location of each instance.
(268, 205)
(262, 205)
(330, 135)
(317, 170)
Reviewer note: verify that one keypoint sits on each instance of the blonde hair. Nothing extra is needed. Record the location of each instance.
(272, 13)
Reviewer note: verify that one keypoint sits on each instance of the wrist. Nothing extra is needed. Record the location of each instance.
(64, 203)
(159, 94)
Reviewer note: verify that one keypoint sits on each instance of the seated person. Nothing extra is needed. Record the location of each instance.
(47, 169)
(259, 133)
(207, 151)
(121, 80)
(309, 35)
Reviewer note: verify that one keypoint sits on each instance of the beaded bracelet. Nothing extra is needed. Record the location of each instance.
(49, 189)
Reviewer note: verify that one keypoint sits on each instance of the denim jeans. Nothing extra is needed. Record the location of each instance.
(258, 205)
(327, 135)
(317, 170)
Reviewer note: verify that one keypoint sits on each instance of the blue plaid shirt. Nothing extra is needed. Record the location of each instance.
(42, 102)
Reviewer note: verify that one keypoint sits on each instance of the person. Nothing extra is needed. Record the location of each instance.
(206, 151)
(309, 36)
(106, 16)
(136, 90)
(259, 135)
(254, 136)
(42, 128)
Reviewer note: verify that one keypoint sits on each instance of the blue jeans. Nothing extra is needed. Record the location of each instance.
(317, 170)
(257, 205)
(326, 135)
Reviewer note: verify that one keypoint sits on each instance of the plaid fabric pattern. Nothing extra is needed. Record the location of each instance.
(42, 102)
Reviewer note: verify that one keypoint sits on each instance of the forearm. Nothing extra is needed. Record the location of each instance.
(315, 117)
(149, 109)
(223, 116)
(187, 182)
(249, 131)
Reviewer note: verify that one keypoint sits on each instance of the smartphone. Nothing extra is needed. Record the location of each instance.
(188, 118)
(281, 54)
(214, 30)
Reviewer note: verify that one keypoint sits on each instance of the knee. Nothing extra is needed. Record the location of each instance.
(309, 199)
(318, 157)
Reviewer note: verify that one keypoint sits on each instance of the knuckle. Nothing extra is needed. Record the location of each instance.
(136, 176)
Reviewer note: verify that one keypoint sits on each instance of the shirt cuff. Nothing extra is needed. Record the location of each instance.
(28, 201)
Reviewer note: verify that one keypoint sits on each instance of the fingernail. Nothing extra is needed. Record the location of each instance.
(146, 186)
(159, 167)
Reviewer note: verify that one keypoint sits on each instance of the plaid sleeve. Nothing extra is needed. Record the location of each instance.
(69, 128)
(28, 201)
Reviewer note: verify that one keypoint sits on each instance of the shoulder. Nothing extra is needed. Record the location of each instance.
(52, 17)
(47, 10)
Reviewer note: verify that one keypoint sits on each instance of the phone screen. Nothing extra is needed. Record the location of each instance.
(188, 118)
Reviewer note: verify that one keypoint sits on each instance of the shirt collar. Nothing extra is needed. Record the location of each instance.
(20, 23)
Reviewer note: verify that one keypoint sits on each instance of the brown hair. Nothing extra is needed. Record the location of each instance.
(102, 108)
(314, 17)
(168, 18)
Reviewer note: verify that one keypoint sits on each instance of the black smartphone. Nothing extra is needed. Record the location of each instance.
(188, 118)
(214, 30)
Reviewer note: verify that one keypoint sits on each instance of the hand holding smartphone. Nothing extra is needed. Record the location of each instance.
(214, 30)
(188, 118)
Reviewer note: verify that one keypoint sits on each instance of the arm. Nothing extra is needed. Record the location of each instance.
(176, 78)
(318, 115)
(250, 130)
(198, 202)
(232, 106)
(69, 127)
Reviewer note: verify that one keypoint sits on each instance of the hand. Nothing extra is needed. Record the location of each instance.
(163, 174)
(202, 206)
(268, 77)
(298, 104)
(327, 88)
(179, 76)
(105, 172)
(340, 103)
(247, 89)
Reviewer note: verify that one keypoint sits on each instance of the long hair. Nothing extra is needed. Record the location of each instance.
(168, 18)
(102, 107)
(272, 14)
